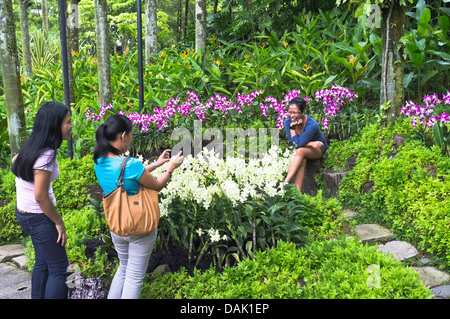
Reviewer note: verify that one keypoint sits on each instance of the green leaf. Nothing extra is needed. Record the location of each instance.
(407, 79)
(438, 135)
(444, 24)
(443, 55)
(343, 61)
(423, 25)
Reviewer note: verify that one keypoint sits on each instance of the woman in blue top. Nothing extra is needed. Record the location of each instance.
(113, 139)
(304, 134)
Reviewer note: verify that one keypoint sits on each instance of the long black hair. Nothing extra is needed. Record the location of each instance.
(299, 102)
(107, 132)
(46, 134)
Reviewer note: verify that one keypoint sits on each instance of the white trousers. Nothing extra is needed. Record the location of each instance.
(134, 253)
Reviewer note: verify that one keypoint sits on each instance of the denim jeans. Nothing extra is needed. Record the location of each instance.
(134, 253)
(48, 280)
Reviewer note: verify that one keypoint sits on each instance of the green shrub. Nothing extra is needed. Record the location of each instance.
(75, 176)
(331, 269)
(322, 218)
(165, 286)
(9, 227)
(410, 186)
(10, 230)
(8, 186)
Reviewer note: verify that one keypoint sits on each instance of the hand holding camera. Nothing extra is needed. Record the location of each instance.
(177, 160)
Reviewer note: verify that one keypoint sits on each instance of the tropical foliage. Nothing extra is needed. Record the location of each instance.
(237, 210)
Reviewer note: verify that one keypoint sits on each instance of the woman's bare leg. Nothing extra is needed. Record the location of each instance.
(293, 168)
(297, 169)
(299, 176)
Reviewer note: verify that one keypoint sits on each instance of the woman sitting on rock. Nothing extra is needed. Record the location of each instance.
(304, 134)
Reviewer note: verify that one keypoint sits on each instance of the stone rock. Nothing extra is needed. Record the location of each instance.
(441, 292)
(400, 250)
(8, 252)
(373, 233)
(367, 187)
(431, 276)
(332, 180)
(15, 283)
(350, 163)
(312, 169)
(20, 261)
(399, 141)
(164, 268)
(349, 213)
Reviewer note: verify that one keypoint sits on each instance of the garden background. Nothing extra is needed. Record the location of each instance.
(238, 69)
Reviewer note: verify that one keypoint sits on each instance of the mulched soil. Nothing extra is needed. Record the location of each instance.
(175, 257)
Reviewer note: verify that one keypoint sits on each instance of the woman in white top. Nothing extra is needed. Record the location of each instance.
(36, 168)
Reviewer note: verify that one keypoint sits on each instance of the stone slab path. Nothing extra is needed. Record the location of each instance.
(8, 252)
(373, 233)
(400, 250)
(14, 283)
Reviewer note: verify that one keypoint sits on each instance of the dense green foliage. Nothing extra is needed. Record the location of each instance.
(319, 48)
(411, 185)
(282, 246)
(331, 269)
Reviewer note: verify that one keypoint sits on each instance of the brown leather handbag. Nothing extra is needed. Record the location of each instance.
(131, 215)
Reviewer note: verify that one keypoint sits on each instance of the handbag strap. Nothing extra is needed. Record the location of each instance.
(119, 181)
(73, 262)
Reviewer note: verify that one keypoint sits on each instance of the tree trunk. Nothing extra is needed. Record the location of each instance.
(179, 20)
(186, 12)
(26, 52)
(11, 78)
(200, 26)
(44, 15)
(72, 27)
(151, 30)
(392, 72)
(72, 46)
(124, 42)
(23, 8)
(103, 61)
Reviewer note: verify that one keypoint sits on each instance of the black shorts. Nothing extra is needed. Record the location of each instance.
(324, 148)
